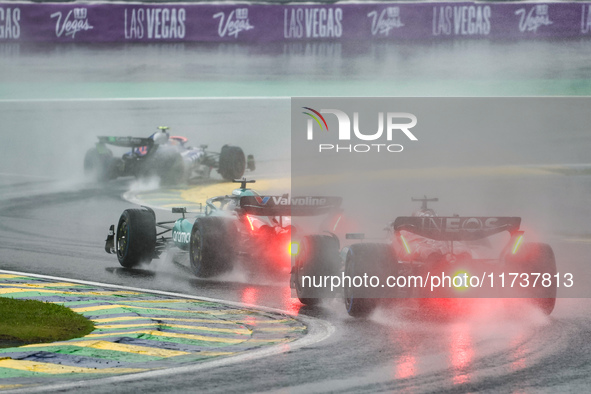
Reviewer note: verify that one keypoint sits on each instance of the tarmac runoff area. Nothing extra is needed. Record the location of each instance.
(141, 333)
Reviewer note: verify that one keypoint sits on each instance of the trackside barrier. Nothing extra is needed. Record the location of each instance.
(185, 22)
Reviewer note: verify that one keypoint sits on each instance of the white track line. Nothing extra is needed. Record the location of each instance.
(58, 100)
(318, 330)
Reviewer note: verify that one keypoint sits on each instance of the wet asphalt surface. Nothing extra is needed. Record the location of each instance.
(493, 346)
(52, 221)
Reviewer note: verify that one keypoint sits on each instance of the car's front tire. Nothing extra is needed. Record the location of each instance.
(232, 163)
(136, 237)
(318, 256)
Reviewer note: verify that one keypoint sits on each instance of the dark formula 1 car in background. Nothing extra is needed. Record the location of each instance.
(165, 156)
(425, 246)
(242, 226)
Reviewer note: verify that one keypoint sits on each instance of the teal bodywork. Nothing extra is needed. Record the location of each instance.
(181, 233)
(217, 206)
(241, 192)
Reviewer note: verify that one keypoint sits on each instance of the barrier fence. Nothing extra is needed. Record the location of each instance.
(205, 22)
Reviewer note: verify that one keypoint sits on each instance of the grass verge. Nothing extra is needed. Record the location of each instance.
(29, 321)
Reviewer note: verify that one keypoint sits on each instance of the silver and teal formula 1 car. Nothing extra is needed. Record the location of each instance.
(243, 226)
(168, 157)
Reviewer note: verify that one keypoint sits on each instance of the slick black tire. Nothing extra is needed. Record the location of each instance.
(136, 237)
(212, 248)
(101, 166)
(232, 163)
(533, 257)
(167, 164)
(373, 259)
(318, 256)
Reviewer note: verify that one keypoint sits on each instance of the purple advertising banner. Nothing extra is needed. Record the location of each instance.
(108, 22)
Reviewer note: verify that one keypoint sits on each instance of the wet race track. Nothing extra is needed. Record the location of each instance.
(54, 222)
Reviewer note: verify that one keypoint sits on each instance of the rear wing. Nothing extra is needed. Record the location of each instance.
(127, 142)
(456, 228)
(285, 206)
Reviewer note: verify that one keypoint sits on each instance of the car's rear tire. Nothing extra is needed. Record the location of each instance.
(212, 248)
(318, 256)
(165, 163)
(373, 259)
(136, 237)
(101, 166)
(533, 257)
(232, 163)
